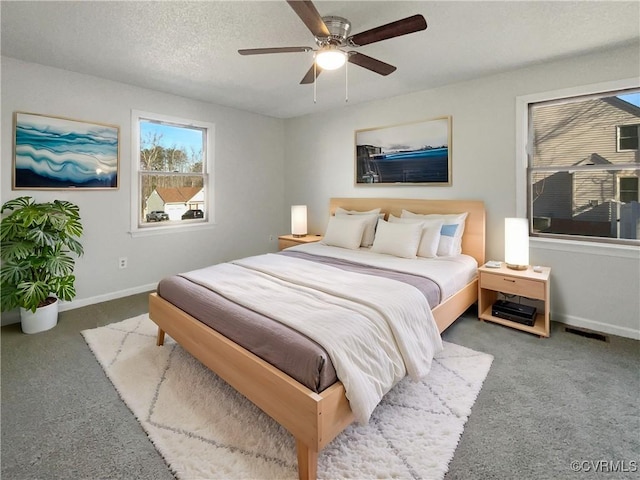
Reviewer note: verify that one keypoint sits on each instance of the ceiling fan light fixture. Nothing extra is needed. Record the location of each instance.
(330, 58)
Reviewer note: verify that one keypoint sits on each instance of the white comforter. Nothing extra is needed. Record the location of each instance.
(374, 329)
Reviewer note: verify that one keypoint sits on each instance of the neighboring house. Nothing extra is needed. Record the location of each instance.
(175, 200)
(595, 197)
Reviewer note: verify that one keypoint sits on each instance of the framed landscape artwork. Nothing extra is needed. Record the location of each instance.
(56, 153)
(409, 154)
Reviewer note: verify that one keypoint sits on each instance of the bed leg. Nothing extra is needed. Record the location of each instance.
(307, 462)
(160, 338)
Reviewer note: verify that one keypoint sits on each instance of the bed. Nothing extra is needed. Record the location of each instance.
(313, 417)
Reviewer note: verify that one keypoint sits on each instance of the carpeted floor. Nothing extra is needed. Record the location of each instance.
(204, 429)
(545, 404)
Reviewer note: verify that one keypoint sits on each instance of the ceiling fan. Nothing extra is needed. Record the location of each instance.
(332, 37)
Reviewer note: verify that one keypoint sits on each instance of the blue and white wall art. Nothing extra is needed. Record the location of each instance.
(410, 154)
(60, 153)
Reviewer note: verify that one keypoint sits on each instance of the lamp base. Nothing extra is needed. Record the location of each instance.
(516, 267)
(297, 235)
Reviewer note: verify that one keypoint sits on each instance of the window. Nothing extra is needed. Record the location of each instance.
(172, 186)
(629, 189)
(628, 137)
(583, 167)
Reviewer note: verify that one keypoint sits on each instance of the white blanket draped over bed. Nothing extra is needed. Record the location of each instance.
(375, 330)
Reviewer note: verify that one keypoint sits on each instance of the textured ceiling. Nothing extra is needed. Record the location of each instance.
(190, 48)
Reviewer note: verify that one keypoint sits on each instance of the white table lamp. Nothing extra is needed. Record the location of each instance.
(299, 220)
(516, 243)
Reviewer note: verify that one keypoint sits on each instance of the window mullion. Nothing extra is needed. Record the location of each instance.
(578, 168)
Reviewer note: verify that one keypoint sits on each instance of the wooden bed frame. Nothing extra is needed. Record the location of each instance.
(314, 419)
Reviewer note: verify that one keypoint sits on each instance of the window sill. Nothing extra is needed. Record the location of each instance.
(162, 230)
(591, 248)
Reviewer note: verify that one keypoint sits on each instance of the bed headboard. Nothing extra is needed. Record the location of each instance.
(473, 239)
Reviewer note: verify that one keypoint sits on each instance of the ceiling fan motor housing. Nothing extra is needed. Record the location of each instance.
(339, 29)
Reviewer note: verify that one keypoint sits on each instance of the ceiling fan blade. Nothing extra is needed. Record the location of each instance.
(390, 30)
(309, 77)
(310, 17)
(371, 63)
(260, 51)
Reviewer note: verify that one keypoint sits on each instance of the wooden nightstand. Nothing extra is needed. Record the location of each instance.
(525, 283)
(286, 241)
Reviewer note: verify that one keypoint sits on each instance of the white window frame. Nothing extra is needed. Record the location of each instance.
(160, 228)
(523, 144)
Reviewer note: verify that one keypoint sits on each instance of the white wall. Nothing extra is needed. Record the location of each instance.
(249, 180)
(595, 288)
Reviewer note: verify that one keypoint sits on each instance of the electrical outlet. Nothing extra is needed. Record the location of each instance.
(122, 262)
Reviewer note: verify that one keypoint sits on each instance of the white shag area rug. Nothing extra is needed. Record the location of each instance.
(206, 430)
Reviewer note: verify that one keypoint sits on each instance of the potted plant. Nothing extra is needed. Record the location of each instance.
(37, 240)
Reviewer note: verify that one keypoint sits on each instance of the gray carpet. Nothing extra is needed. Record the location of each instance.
(545, 404)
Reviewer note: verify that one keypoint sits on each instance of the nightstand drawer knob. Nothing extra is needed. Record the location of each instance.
(509, 280)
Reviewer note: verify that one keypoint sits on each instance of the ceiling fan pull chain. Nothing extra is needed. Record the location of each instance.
(315, 80)
(346, 82)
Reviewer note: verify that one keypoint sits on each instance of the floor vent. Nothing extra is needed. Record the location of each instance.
(587, 334)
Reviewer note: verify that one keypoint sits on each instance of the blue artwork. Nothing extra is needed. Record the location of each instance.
(416, 153)
(56, 153)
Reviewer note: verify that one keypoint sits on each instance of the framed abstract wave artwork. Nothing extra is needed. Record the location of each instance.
(55, 153)
(417, 153)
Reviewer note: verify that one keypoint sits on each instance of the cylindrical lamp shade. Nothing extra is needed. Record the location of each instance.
(516, 243)
(298, 220)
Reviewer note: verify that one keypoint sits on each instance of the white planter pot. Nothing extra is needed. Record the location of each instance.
(45, 318)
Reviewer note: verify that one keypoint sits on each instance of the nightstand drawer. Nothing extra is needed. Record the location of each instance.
(512, 285)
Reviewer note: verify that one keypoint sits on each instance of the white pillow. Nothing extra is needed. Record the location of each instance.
(450, 239)
(370, 229)
(345, 232)
(447, 246)
(399, 239)
(430, 238)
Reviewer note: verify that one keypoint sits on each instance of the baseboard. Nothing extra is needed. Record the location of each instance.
(597, 326)
(9, 318)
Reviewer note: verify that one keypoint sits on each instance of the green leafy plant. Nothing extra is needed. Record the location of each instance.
(37, 240)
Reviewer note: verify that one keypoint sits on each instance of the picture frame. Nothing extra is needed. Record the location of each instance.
(58, 153)
(416, 153)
